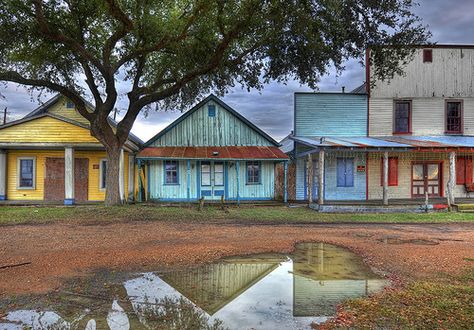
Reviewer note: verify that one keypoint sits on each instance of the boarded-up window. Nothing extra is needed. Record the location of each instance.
(463, 170)
(402, 117)
(392, 171)
(454, 117)
(427, 55)
(345, 172)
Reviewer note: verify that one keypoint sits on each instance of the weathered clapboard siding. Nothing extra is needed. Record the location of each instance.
(94, 157)
(428, 116)
(46, 129)
(451, 74)
(264, 190)
(321, 297)
(60, 108)
(330, 114)
(332, 191)
(405, 159)
(200, 129)
(160, 191)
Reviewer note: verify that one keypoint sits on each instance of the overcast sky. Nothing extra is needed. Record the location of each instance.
(450, 21)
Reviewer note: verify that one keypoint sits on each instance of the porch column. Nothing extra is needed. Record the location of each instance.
(452, 178)
(122, 176)
(310, 176)
(237, 169)
(188, 180)
(69, 176)
(3, 175)
(385, 178)
(131, 176)
(321, 177)
(139, 168)
(285, 183)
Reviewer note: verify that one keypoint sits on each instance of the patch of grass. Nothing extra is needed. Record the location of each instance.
(245, 214)
(445, 304)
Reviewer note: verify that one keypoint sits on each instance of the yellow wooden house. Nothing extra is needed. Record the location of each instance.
(51, 156)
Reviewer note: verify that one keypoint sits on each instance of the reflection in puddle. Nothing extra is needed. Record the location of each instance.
(255, 292)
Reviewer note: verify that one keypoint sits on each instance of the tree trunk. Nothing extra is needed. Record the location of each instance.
(112, 192)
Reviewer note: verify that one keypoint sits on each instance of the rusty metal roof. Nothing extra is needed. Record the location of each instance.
(231, 152)
(406, 142)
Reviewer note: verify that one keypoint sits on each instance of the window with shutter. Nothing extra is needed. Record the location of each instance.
(345, 172)
(392, 171)
(427, 55)
(463, 170)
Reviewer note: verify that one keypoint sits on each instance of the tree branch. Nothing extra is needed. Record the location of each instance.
(75, 97)
(62, 38)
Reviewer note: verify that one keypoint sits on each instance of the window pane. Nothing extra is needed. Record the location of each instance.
(206, 179)
(171, 172)
(104, 174)
(453, 117)
(26, 173)
(402, 117)
(219, 179)
(418, 172)
(253, 172)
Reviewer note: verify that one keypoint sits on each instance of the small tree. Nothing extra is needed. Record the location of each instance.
(170, 52)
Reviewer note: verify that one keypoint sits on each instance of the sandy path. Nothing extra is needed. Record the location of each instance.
(57, 251)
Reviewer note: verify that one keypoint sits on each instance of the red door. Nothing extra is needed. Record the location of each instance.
(427, 178)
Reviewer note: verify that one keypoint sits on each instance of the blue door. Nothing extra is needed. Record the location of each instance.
(212, 180)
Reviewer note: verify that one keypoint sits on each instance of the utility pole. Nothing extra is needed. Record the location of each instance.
(5, 112)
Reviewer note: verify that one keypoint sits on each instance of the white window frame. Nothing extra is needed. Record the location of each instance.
(18, 172)
(101, 172)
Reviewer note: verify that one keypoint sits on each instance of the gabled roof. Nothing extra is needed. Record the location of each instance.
(221, 103)
(362, 89)
(43, 109)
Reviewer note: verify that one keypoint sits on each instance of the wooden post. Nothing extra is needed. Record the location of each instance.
(285, 183)
(452, 178)
(3, 175)
(69, 176)
(321, 177)
(310, 176)
(237, 169)
(188, 181)
(385, 178)
(139, 169)
(131, 176)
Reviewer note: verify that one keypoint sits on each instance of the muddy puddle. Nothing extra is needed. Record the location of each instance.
(270, 291)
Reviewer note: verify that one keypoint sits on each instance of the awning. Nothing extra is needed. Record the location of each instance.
(387, 142)
(223, 153)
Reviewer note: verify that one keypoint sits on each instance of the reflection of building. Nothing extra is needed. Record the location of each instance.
(324, 275)
(213, 286)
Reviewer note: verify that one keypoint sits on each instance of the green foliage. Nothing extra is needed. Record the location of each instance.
(422, 305)
(245, 214)
(178, 50)
(176, 314)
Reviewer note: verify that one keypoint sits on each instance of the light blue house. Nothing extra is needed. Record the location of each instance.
(323, 121)
(210, 152)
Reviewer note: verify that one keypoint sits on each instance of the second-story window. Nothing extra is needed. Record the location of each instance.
(402, 117)
(454, 117)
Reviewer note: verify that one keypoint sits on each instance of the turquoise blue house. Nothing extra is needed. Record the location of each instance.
(210, 152)
(323, 121)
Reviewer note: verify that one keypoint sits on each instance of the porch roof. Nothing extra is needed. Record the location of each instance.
(388, 142)
(230, 153)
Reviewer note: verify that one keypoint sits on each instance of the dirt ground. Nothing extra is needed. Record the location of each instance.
(58, 251)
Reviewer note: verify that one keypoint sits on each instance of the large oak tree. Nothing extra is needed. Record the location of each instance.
(170, 52)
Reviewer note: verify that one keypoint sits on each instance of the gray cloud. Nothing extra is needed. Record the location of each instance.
(272, 108)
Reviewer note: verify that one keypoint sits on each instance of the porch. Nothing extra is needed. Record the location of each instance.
(393, 170)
